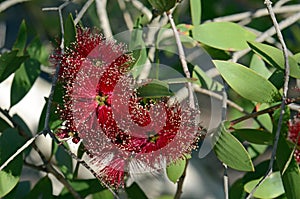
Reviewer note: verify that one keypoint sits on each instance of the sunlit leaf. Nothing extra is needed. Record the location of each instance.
(247, 82)
(223, 35)
(196, 9)
(105, 194)
(176, 169)
(271, 188)
(230, 151)
(275, 58)
(258, 65)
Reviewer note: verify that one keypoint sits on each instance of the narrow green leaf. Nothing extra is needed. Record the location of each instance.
(10, 62)
(291, 175)
(23, 80)
(3, 125)
(277, 78)
(105, 194)
(176, 169)
(134, 191)
(43, 189)
(275, 58)
(196, 9)
(10, 141)
(34, 49)
(162, 5)
(205, 81)
(254, 136)
(70, 30)
(247, 82)
(64, 161)
(21, 123)
(297, 57)
(258, 65)
(83, 188)
(230, 151)
(21, 40)
(154, 89)
(236, 190)
(223, 35)
(271, 188)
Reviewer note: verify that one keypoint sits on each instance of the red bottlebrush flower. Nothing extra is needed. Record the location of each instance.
(293, 135)
(122, 132)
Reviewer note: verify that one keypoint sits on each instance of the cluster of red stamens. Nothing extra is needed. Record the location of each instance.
(119, 128)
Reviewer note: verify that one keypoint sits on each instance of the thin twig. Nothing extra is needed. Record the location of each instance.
(8, 3)
(45, 161)
(217, 96)
(143, 9)
(103, 17)
(182, 59)
(20, 150)
(284, 96)
(180, 182)
(83, 11)
(259, 13)
(126, 15)
(224, 116)
(268, 33)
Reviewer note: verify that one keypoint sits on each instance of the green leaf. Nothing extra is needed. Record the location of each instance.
(134, 191)
(258, 65)
(275, 58)
(297, 57)
(162, 5)
(43, 189)
(23, 80)
(10, 141)
(21, 40)
(10, 62)
(247, 82)
(291, 175)
(230, 151)
(254, 136)
(196, 8)
(236, 190)
(34, 49)
(83, 188)
(70, 30)
(21, 123)
(64, 161)
(205, 81)
(105, 194)
(223, 35)
(154, 89)
(271, 188)
(176, 169)
(22, 189)
(3, 125)
(265, 119)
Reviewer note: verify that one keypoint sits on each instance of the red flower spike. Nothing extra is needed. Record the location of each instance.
(123, 133)
(293, 135)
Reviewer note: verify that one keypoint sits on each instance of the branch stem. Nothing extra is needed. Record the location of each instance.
(182, 59)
